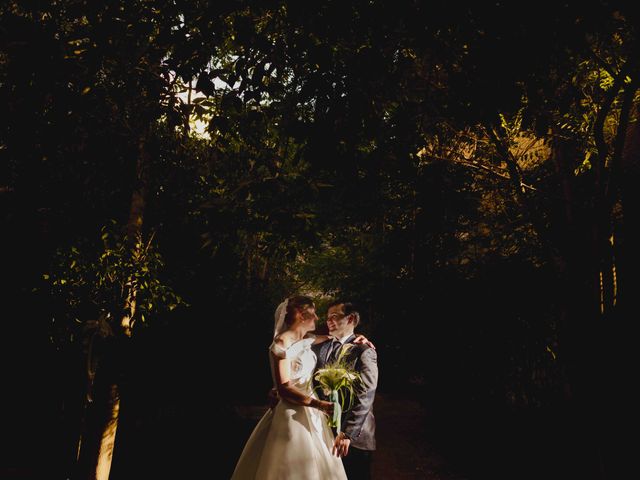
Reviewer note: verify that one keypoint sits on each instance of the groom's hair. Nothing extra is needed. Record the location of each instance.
(297, 302)
(349, 308)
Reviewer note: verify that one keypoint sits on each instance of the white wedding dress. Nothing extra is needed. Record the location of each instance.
(291, 442)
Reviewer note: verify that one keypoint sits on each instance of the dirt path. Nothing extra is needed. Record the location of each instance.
(403, 452)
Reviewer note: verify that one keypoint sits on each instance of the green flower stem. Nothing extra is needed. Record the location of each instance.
(337, 411)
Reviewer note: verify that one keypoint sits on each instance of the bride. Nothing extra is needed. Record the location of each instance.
(292, 440)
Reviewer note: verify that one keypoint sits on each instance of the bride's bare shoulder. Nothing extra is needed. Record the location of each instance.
(284, 340)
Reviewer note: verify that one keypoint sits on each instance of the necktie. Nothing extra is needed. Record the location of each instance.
(334, 351)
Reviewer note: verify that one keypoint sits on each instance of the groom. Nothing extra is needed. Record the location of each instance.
(356, 442)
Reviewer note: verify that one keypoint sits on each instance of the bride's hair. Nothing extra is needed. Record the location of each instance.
(297, 303)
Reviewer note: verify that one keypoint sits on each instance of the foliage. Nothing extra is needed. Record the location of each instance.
(88, 287)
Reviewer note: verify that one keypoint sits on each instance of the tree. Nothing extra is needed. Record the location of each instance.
(78, 141)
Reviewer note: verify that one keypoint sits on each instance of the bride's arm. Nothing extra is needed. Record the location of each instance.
(362, 339)
(321, 339)
(292, 394)
(359, 339)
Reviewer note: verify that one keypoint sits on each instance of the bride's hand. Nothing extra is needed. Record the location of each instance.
(362, 339)
(327, 407)
(273, 398)
(323, 406)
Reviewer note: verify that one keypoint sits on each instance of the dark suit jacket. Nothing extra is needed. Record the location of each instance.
(358, 424)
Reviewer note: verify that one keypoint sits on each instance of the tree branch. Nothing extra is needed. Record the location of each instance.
(598, 127)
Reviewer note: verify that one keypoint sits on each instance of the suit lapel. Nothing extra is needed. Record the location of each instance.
(325, 348)
(348, 341)
(322, 354)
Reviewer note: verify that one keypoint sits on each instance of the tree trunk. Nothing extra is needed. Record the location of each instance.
(627, 245)
(621, 349)
(580, 229)
(108, 437)
(100, 443)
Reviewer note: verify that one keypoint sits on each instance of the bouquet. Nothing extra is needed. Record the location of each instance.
(337, 381)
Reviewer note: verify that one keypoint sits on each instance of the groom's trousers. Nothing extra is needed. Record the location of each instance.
(357, 464)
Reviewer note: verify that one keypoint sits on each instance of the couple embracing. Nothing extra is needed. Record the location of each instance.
(293, 441)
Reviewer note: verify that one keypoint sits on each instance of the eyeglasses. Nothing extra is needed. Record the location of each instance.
(336, 316)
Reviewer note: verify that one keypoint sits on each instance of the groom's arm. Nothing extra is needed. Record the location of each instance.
(365, 393)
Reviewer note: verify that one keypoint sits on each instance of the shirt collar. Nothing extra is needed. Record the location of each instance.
(344, 339)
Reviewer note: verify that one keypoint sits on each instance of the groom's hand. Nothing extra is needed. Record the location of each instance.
(341, 445)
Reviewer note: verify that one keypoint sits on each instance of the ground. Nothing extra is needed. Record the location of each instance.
(403, 450)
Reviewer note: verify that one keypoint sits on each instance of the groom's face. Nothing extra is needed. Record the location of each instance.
(337, 321)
